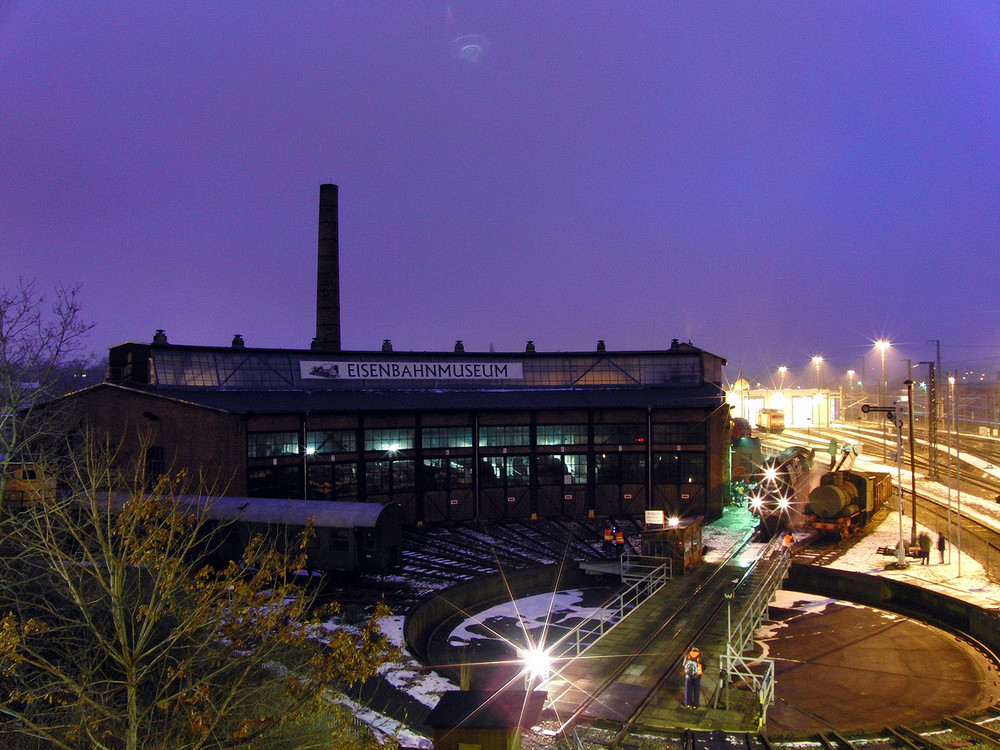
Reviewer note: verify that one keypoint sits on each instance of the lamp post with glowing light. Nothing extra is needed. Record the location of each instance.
(882, 345)
(958, 470)
(817, 363)
(781, 371)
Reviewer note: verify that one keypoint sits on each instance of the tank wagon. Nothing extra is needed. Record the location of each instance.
(844, 500)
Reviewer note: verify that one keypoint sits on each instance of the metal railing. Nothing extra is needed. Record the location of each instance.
(647, 579)
(757, 674)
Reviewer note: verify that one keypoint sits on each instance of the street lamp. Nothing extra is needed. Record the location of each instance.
(882, 345)
(781, 371)
(817, 410)
(958, 470)
(913, 468)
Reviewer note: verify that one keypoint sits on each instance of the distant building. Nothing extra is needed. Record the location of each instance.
(449, 436)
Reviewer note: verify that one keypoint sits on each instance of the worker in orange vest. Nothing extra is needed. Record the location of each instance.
(786, 544)
(620, 541)
(609, 540)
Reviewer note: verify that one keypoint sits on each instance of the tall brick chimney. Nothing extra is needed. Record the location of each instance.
(328, 273)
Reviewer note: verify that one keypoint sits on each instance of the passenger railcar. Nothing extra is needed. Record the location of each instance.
(779, 489)
(351, 537)
(845, 500)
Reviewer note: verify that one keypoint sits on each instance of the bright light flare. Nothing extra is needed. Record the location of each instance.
(537, 662)
(770, 474)
(674, 520)
(783, 503)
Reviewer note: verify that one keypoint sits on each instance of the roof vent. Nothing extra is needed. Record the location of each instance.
(459, 346)
(386, 345)
(159, 337)
(238, 342)
(601, 346)
(530, 347)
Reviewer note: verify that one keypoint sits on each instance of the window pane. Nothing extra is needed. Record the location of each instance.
(619, 434)
(333, 481)
(576, 467)
(679, 468)
(562, 434)
(275, 481)
(447, 437)
(679, 433)
(508, 471)
(633, 468)
(331, 441)
(266, 444)
(460, 472)
(621, 468)
(390, 440)
(386, 477)
(433, 474)
(504, 435)
(552, 469)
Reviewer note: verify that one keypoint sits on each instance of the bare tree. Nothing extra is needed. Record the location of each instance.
(115, 634)
(37, 337)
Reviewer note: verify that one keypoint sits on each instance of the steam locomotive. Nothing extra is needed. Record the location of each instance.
(846, 499)
(779, 489)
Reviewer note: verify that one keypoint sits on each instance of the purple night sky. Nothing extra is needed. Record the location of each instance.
(770, 181)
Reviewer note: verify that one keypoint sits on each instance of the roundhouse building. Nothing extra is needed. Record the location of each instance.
(448, 435)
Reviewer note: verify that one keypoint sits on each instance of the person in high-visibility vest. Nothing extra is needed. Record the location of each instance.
(786, 544)
(693, 669)
(620, 541)
(609, 540)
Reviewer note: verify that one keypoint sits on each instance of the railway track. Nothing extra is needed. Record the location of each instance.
(952, 733)
(613, 695)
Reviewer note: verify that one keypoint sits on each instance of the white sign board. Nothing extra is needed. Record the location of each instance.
(654, 518)
(345, 370)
